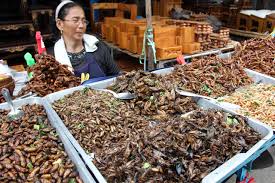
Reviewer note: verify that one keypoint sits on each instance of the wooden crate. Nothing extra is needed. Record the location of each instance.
(119, 8)
(164, 31)
(131, 26)
(187, 34)
(113, 20)
(232, 17)
(116, 37)
(191, 48)
(256, 24)
(123, 43)
(178, 40)
(129, 35)
(161, 37)
(243, 22)
(245, 4)
(166, 6)
(109, 33)
(133, 46)
(169, 52)
(165, 42)
(139, 44)
(156, 7)
(269, 24)
(104, 30)
(217, 11)
(132, 8)
(139, 30)
(123, 23)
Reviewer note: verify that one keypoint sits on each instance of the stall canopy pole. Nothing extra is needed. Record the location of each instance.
(150, 48)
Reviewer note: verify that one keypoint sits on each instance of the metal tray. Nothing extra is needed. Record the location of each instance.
(255, 76)
(240, 160)
(229, 55)
(218, 175)
(69, 149)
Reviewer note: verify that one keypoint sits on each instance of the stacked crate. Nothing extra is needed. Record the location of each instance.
(163, 7)
(121, 31)
(269, 23)
(256, 23)
(231, 16)
(217, 11)
(220, 39)
(224, 33)
(243, 21)
(187, 40)
(166, 46)
(171, 37)
(203, 31)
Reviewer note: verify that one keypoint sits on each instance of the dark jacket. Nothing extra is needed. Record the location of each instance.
(103, 57)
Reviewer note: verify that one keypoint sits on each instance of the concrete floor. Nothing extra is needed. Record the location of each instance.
(263, 168)
(127, 63)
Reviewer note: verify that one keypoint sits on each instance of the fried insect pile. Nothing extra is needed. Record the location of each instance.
(210, 76)
(130, 147)
(30, 150)
(257, 54)
(49, 76)
(155, 94)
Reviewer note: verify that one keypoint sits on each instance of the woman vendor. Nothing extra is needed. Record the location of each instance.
(82, 52)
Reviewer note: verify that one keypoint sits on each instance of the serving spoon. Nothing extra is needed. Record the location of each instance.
(15, 113)
(222, 104)
(122, 96)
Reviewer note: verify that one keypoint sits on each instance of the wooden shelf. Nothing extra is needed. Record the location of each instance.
(15, 25)
(160, 63)
(18, 34)
(17, 46)
(248, 34)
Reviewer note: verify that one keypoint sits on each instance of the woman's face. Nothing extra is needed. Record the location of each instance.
(74, 24)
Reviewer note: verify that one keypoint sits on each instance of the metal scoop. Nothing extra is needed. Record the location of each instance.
(30, 94)
(14, 114)
(222, 104)
(122, 96)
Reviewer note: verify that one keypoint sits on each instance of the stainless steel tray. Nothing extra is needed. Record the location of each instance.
(255, 76)
(229, 55)
(218, 175)
(84, 173)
